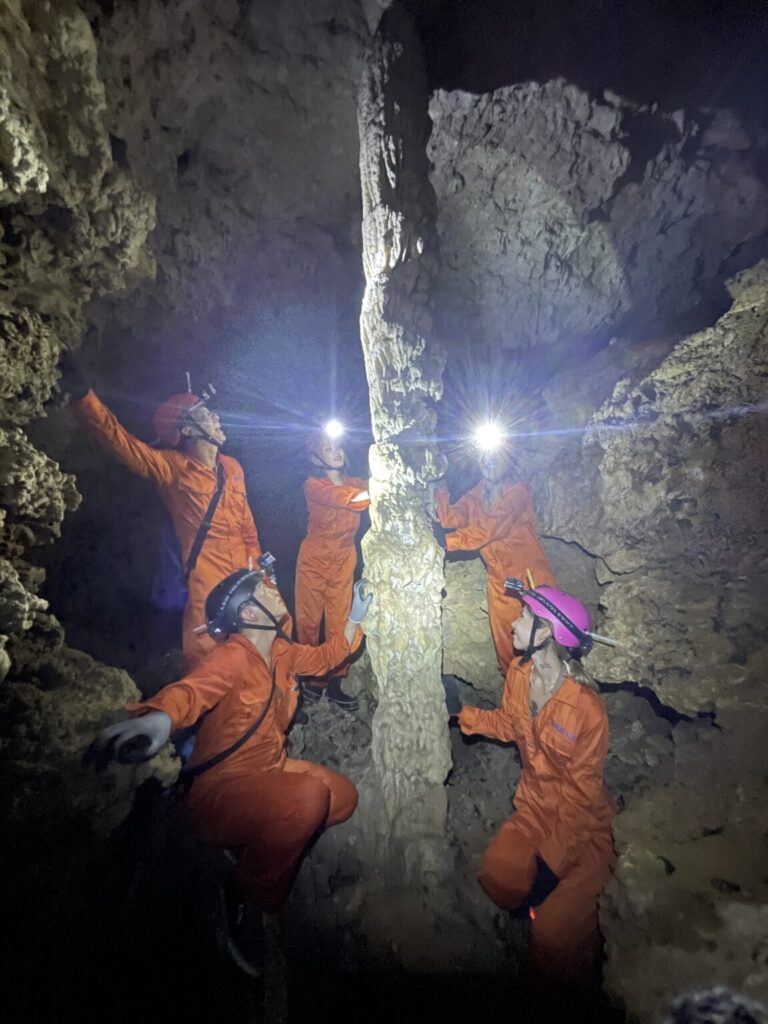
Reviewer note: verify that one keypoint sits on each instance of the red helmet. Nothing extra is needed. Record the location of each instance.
(169, 417)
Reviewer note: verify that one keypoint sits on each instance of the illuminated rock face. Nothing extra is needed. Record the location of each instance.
(73, 226)
(410, 749)
(564, 216)
(667, 488)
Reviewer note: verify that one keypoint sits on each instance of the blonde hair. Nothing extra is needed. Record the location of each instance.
(574, 668)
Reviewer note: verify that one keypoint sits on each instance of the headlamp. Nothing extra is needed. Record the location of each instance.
(334, 429)
(488, 436)
(267, 566)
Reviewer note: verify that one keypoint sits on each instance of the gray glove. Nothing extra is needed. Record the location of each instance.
(360, 602)
(131, 741)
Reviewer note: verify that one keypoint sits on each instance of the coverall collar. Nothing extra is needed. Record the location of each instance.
(567, 692)
(201, 465)
(278, 646)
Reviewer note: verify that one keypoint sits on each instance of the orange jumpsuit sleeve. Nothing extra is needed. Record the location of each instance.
(199, 691)
(341, 496)
(582, 790)
(475, 536)
(450, 516)
(139, 457)
(498, 724)
(318, 661)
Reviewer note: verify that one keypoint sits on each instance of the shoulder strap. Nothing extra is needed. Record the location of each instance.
(205, 525)
(198, 770)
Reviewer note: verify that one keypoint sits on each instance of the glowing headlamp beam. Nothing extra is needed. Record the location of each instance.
(488, 436)
(333, 429)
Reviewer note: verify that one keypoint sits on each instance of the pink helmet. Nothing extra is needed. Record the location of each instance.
(571, 608)
(562, 610)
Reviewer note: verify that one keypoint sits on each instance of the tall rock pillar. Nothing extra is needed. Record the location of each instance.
(410, 748)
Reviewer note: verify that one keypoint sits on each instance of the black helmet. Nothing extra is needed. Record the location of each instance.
(223, 604)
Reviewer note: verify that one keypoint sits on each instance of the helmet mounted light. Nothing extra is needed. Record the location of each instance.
(333, 429)
(488, 436)
(227, 599)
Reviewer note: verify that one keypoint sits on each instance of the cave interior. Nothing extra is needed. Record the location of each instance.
(180, 192)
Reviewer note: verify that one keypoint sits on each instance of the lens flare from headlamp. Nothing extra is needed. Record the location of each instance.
(488, 436)
(333, 429)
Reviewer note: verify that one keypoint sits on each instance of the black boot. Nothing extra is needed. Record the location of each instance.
(240, 930)
(311, 692)
(339, 698)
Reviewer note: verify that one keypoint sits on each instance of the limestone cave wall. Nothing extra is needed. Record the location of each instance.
(179, 189)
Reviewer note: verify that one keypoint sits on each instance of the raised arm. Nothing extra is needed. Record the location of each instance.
(139, 457)
(199, 691)
(450, 516)
(353, 495)
(517, 511)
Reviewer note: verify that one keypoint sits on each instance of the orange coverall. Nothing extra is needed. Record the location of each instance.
(562, 813)
(186, 487)
(325, 568)
(257, 801)
(506, 538)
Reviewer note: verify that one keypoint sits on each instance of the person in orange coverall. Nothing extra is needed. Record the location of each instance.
(327, 557)
(555, 853)
(186, 473)
(254, 800)
(496, 519)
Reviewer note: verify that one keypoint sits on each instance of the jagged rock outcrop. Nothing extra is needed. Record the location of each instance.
(563, 215)
(666, 491)
(74, 226)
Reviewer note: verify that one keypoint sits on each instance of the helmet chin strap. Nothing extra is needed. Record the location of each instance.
(203, 435)
(274, 628)
(533, 647)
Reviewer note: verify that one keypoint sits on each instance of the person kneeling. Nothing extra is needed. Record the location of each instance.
(246, 794)
(551, 859)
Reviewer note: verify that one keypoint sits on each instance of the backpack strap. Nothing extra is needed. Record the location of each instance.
(193, 773)
(205, 525)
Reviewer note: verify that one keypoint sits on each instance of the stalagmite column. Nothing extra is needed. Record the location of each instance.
(411, 752)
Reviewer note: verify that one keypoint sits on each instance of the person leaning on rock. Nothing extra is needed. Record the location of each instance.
(553, 856)
(246, 795)
(202, 490)
(327, 558)
(496, 519)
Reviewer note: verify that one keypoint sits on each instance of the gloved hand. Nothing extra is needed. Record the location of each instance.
(131, 741)
(73, 381)
(452, 699)
(360, 602)
(544, 884)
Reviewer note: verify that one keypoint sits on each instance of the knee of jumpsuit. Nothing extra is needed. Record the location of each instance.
(267, 863)
(343, 794)
(343, 800)
(509, 867)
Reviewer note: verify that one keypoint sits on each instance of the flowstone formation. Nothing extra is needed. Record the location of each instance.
(666, 490)
(73, 226)
(409, 748)
(564, 217)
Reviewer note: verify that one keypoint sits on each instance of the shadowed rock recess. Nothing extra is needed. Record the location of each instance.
(182, 185)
